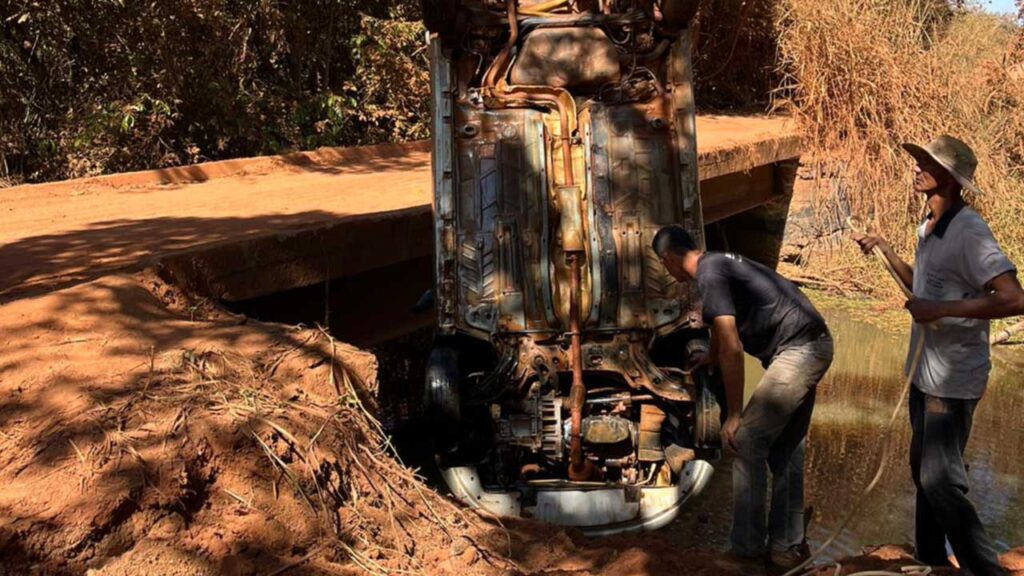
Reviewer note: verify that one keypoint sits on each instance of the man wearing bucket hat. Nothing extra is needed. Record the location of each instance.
(961, 279)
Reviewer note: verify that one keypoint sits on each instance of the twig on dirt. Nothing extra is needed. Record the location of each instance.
(241, 500)
(81, 456)
(320, 496)
(295, 563)
(351, 390)
(416, 485)
(66, 342)
(359, 465)
(390, 502)
(323, 427)
(285, 471)
(272, 369)
(152, 366)
(368, 564)
(288, 436)
(496, 518)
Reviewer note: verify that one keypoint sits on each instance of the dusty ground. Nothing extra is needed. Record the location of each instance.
(138, 440)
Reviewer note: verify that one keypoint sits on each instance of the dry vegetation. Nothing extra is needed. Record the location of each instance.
(91, 86)
(865, 75)
(205, 446)
(734, 54)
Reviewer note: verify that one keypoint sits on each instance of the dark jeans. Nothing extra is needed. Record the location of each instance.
(941, 427)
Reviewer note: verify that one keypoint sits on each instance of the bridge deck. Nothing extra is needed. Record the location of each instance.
(238, 211)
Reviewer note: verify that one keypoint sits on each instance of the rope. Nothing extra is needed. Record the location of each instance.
(887, 446)
(882, 465)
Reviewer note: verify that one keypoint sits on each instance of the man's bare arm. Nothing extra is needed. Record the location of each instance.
(1005, 298)
(730, 362)
(729, 352)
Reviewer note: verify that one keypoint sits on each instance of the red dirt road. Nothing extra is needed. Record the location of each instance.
(62, 233)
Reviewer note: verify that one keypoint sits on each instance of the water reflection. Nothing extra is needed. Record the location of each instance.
(845, 442)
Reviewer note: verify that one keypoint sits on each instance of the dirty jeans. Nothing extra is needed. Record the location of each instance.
(940, 429)
(771, 436)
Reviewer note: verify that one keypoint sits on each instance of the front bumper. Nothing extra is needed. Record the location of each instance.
(599, 511)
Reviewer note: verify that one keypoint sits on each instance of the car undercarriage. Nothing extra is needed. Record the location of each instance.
(564, 138)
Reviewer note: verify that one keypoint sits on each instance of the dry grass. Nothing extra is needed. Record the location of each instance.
(863, 76)
(333, 458)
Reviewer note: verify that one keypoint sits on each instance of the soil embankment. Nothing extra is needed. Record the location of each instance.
(148, 433)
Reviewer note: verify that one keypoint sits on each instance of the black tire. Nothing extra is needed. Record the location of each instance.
(442, 399)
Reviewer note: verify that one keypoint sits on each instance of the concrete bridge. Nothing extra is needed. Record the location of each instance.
(250, 229)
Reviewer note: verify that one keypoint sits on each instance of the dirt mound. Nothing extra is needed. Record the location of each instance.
(141, 441)
(148, 432)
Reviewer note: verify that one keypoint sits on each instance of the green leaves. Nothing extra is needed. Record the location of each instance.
(146, 106)
(97, 86)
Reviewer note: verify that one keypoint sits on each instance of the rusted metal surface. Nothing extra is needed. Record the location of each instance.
(572, 58)
(570, 219)
(652, 419)
(579, 469)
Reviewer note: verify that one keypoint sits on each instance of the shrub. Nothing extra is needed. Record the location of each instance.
(95, 86)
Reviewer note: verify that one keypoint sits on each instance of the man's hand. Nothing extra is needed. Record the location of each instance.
(925, 311)
(732, 424)
(700, 360)
(868, 242)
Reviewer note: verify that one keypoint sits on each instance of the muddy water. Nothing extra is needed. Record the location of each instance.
(853, 404)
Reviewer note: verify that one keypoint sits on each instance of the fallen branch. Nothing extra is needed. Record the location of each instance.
(1002, 336)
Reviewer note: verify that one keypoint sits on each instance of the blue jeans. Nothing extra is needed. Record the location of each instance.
(771, 437)
(941, 427)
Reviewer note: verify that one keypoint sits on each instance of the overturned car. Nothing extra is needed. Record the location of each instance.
(563, 140)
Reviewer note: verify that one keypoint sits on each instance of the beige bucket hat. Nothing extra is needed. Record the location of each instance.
(954, 155)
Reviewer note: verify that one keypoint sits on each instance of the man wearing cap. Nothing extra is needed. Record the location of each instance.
(961, 279)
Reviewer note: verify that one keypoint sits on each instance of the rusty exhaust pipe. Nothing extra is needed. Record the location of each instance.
(579, 468)
(569, 197)
(570, 202)
(495, 85)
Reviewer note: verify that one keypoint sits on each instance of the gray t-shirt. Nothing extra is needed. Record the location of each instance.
(955, 262)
